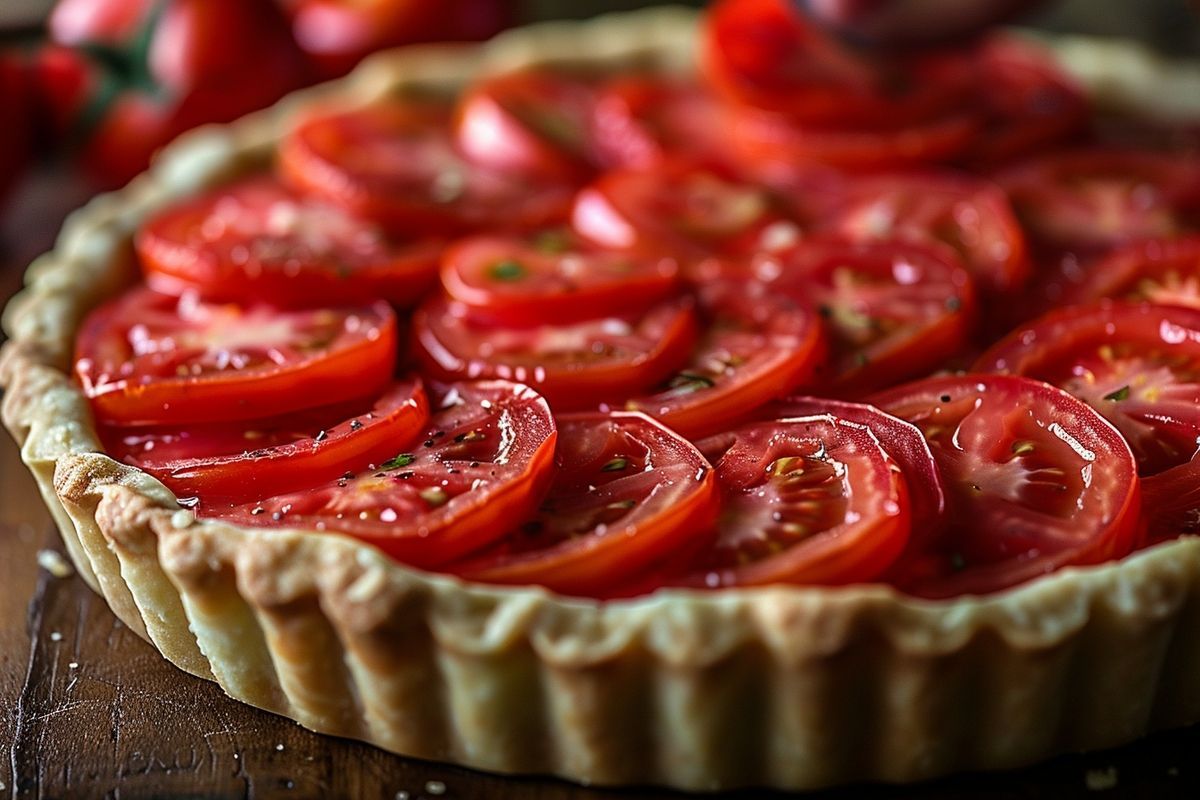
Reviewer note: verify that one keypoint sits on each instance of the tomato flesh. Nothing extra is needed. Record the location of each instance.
(235, 463)
(485, 459)
(256, 241)
(644, 120)
(576, 366)
(1137, 365)
(627, 492)
(1036, 480)
(147, 359)
(1162, 271)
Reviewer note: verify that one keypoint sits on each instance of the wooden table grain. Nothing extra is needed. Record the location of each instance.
(87, 709)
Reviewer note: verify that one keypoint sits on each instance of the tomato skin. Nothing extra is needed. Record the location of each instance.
(847, 505)
(484, 462)
(670, 492)
(606, 359)
(394, 163)
(256, 241)
(150, 359)
(1095, 198)
(1172, 503)
(1161, 271)
(1036, 481)
(234, 464)
(756, 346)
(551, 279)
(1136, 365)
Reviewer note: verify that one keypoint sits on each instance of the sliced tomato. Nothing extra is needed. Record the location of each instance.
(1138, 365)
(394, 162)
(1036, 480)
(771, 142)
(676, 208)
(1097, 198)
(764, 53)
(627, 492)
(904, 444)
(533, 121)
(256, 241)
(644, 120)
(811, 500)
(1162, 271)
(757, 345)
(148, 359)
(1171, 503)
(235, 463)
(552, 278)
(484, 462)
(893, 310)
(1029, 102)
(576, 366)
(971, 216)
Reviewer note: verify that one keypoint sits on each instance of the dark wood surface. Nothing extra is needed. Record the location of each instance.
(87, 709)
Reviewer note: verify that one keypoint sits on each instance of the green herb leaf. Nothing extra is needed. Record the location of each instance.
(616, 465)
(1119, 394)
(507, 271)
(398, 461)
(691, 382)
(1022, 447)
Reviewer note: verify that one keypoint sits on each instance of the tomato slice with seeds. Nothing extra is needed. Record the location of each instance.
(901, 440)
(756, 346)
(675, 208)
(627, 491)
(1162, 271)
(811, 500)
(234, 463)
(576, 366)
(532, 121)
(394, 162)
(1097, 198)
(1138, 365)
(893, 310)
(1036, 480)
(770, 142)
(552, 279)
(971, 216)
(485, 460)
(147, 359)
(766, 54)
(645, 120)
(256, 241)
(1029, 102)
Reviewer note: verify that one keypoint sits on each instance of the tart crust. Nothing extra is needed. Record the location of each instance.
(787, 687)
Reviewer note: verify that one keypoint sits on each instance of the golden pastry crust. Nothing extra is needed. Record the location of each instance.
(782, 686)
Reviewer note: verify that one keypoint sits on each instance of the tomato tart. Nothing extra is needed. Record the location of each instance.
(660, 399)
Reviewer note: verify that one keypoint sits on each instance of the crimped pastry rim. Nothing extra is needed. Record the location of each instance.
(120, 525)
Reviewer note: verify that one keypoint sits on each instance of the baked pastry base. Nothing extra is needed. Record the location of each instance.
(786, 687)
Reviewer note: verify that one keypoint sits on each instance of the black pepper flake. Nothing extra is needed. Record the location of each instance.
(429, 443)
(953, 303)
(347, 475)
(355, 425)
(474, 464)
(404, 475)
(945, 398)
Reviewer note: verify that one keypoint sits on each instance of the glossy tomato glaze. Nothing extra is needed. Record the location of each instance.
(615, 332)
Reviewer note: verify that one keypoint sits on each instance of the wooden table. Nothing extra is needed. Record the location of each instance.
(87, 709)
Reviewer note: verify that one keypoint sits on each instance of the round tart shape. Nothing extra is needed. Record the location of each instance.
(689, 689)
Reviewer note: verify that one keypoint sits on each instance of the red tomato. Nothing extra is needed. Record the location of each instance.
(256, 241)
(1036, 480)
(576, 366)
(551, 278)
(394, 162)
(756, 345)
(1096, 198)
(627, 492)
(644, 120)
(1138, 365)
(812, 500)
(903, 443)
(1162, 271)
(674, 208)
(893, 310)
(535, 122)
(1029, 102)
(1171, 503)
(971, 216)
(225, 463)
(770, 142)
(484, 463)
(147, 359)
(764, 53)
